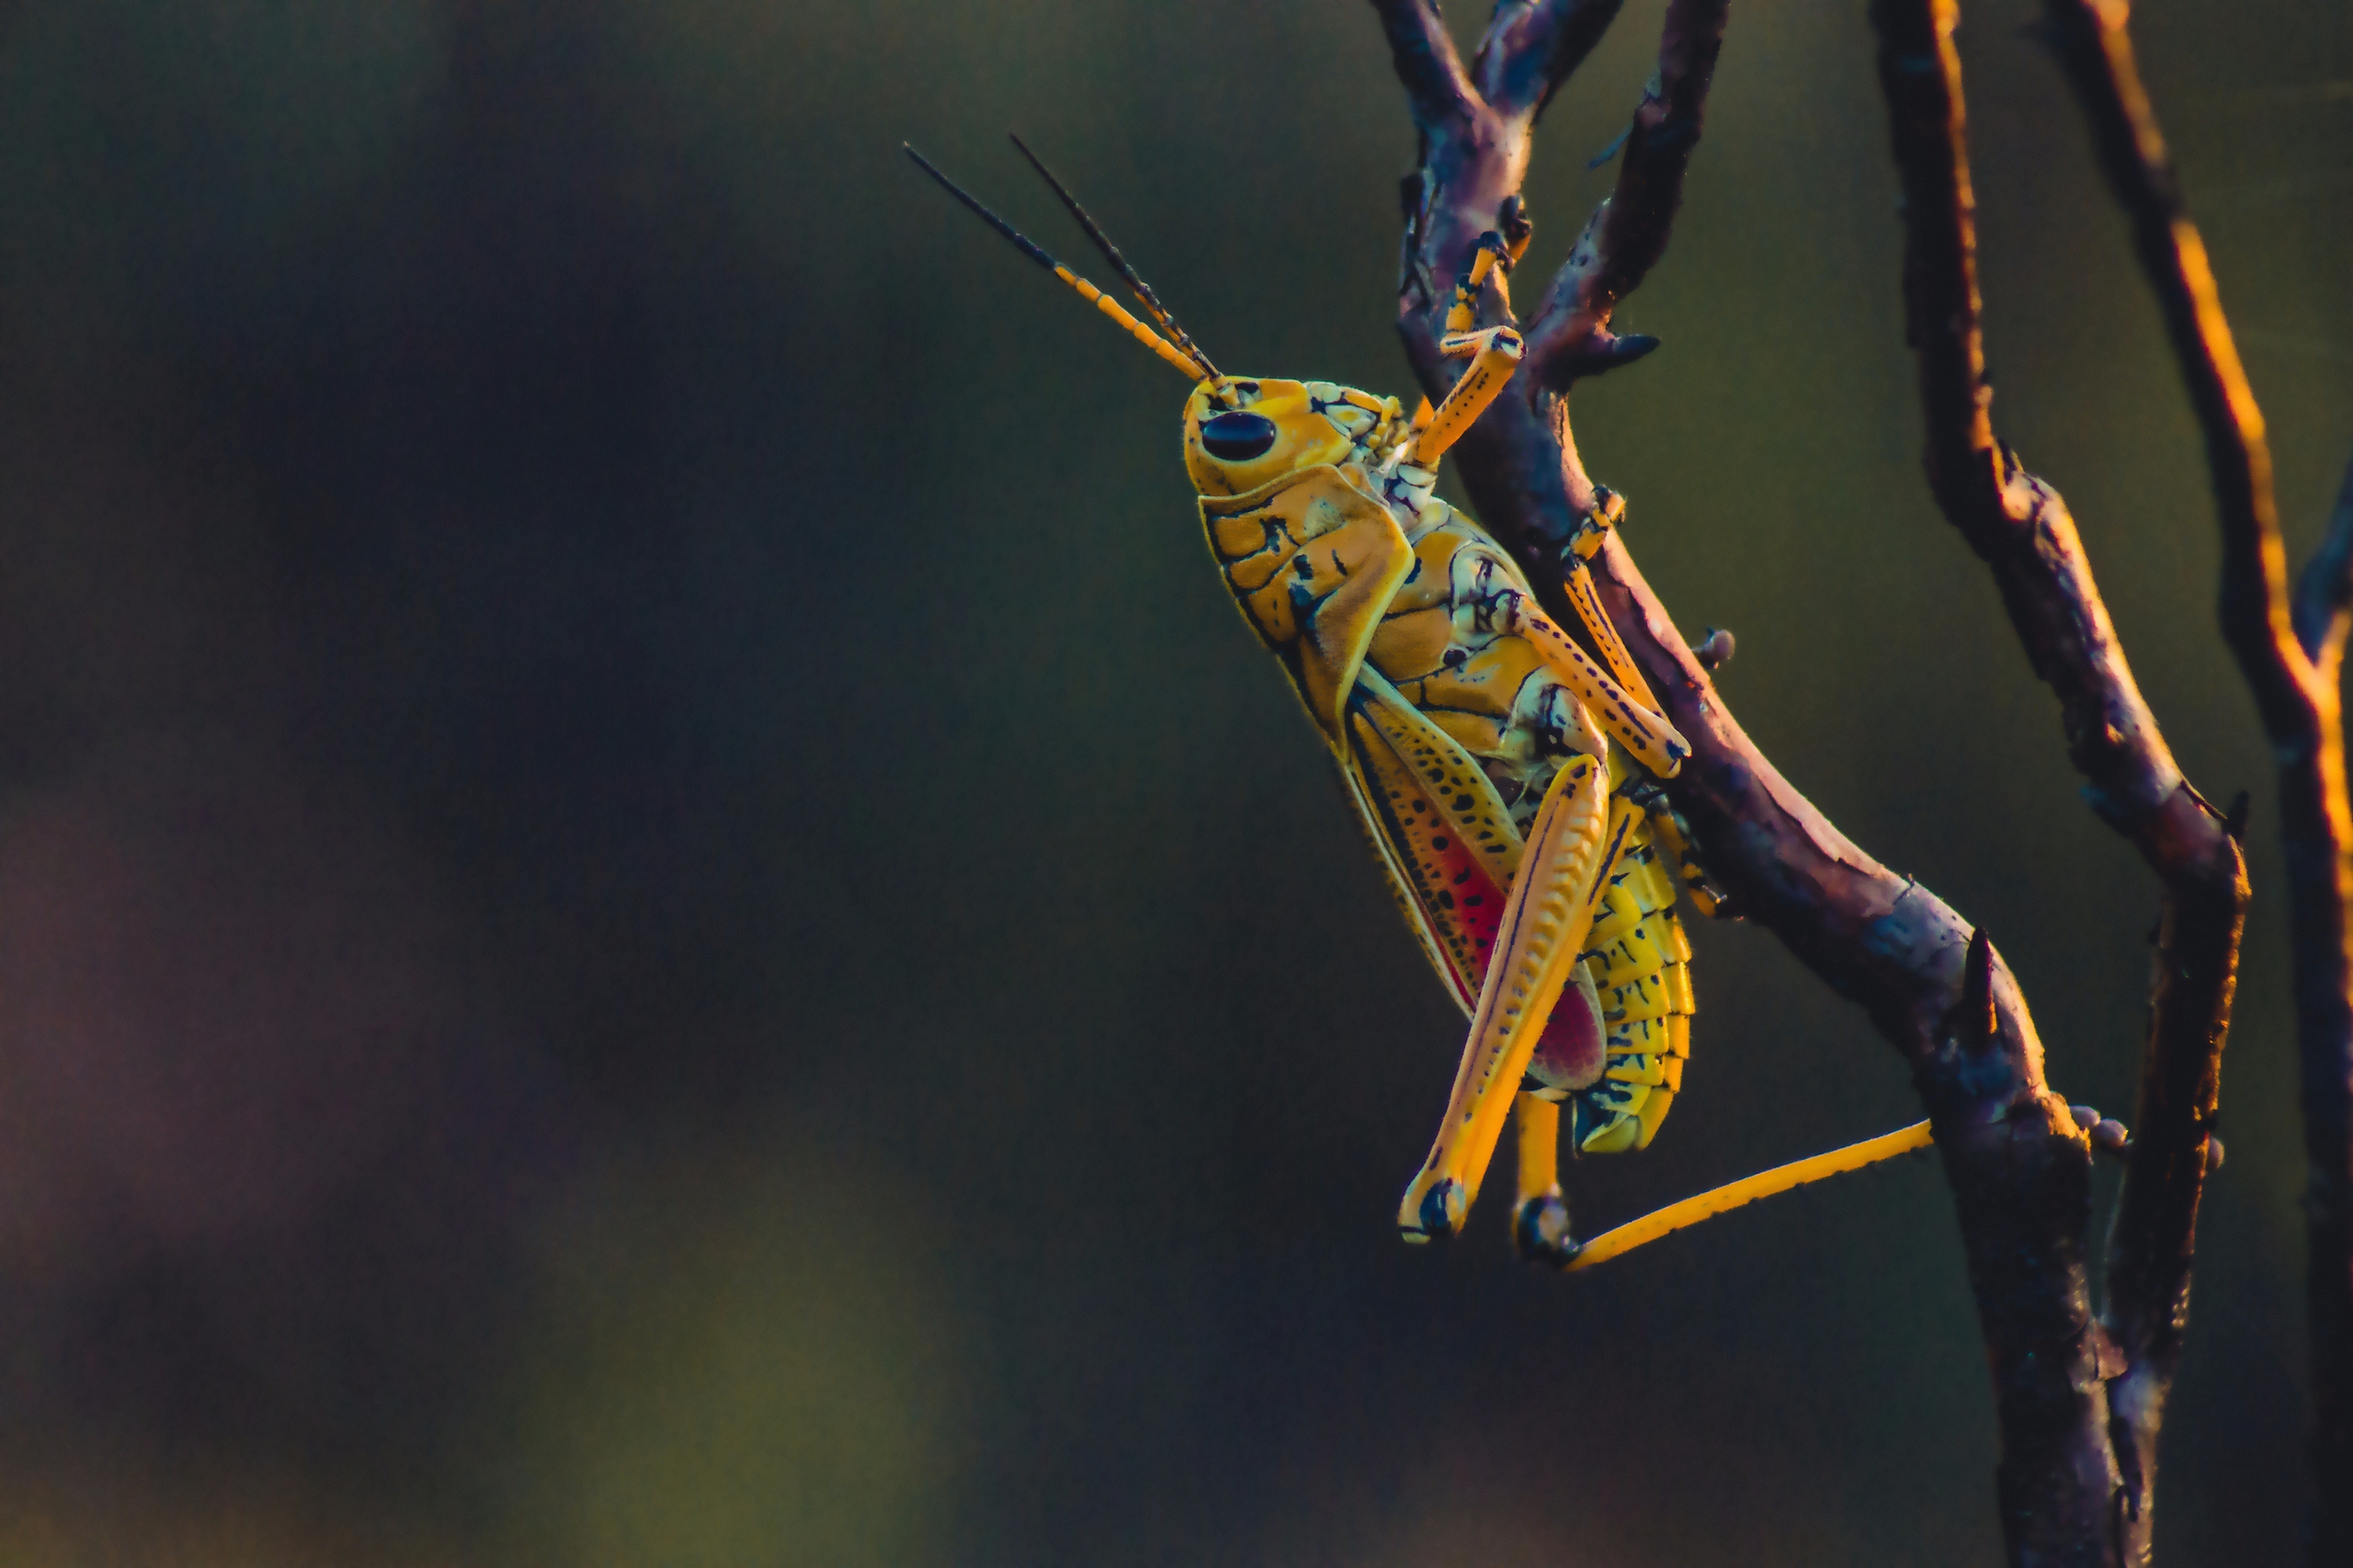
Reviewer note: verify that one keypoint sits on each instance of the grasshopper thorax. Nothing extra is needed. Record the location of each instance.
(1242, 433)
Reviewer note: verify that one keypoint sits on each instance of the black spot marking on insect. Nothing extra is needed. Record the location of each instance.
(1440, 844)
(1456, 658)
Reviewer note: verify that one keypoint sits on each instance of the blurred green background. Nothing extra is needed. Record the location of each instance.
(652, 913)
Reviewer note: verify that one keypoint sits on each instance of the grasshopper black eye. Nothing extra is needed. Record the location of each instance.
(1236, 436)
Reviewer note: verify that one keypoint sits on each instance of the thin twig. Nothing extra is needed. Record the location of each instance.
(2312, 831)
(2325, 590)
(1532, 46)
(2101, 1481)
(2295, 686)
(1628, 233)
(1423, 52)
(2016, 1162)
(2013, 1155)
(2096, 53)
(1473, 156)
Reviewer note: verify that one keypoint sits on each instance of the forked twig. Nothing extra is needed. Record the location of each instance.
(2290, 653)
(1628, 232)
(2016, 1160)
(2020, 527)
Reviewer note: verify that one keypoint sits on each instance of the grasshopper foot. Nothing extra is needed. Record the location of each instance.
(1433, 1210)
(1539, 1231)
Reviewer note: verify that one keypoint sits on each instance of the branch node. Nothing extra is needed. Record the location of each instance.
(1974, 1019)
(2234, 819)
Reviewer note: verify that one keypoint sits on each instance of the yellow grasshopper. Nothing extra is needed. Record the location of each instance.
(1504, 777)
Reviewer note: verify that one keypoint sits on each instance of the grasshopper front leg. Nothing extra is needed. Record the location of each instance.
(1495, 352)
(1545, 921)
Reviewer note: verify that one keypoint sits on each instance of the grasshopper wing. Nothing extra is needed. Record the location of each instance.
(1437, 825)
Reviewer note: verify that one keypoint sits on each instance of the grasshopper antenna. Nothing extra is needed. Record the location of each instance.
(1193, 371)
(1110, 251)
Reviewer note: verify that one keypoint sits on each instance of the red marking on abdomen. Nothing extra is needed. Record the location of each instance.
(1568, 1053)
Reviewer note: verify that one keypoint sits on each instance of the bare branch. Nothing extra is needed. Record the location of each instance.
(1533, 46)
(1475, 139)
(2097, 54)
(2295, 692)
(1873, 935)
(1423, 52)
(2017, 1165)
(1920, 78)
(2016, 1160)
(2324, 591)
(2075, 1485)
(2021, 529)
(1628, 233)
(2313, 835)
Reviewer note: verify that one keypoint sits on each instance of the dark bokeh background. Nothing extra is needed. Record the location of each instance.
(652, 912)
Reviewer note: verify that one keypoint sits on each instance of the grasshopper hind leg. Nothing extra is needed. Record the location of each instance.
(1636, 967)
(1569, 1057)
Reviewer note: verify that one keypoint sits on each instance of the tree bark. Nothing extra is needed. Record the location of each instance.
(2079, 1405)
(2291, 651)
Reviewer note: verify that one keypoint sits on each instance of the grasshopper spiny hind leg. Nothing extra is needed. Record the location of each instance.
(1547, 917)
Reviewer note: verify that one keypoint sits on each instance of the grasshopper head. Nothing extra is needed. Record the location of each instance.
(1239, 434)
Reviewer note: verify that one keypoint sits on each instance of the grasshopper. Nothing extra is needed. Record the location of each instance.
(1505, 779)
